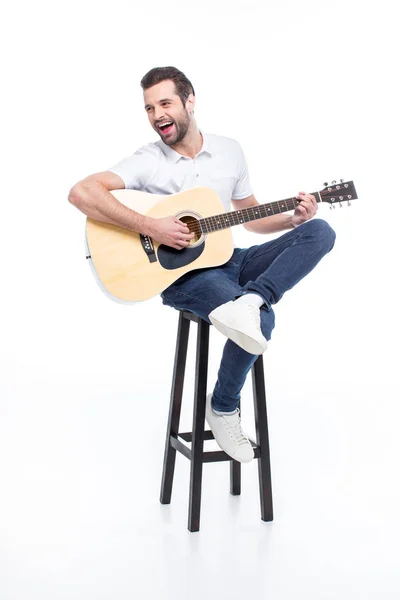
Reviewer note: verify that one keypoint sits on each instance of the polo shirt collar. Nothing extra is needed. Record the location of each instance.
(174, 156)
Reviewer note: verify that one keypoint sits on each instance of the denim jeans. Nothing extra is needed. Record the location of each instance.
(268, 269)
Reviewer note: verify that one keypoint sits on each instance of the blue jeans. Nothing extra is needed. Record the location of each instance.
(268, 269)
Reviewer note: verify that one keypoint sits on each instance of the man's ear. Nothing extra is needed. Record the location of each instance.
(190, 103)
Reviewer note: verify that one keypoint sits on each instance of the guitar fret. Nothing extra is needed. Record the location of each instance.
(243, 215)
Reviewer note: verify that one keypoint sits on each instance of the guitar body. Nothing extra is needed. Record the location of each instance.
(132, 268)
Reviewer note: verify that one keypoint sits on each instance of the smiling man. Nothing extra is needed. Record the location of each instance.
(236, 297)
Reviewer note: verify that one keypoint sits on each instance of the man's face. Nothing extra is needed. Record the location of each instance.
(164, 106)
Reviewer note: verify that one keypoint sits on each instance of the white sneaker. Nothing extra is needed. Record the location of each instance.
(228, 434)
(241, 324)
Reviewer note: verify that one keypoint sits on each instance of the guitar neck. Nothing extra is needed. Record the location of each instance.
(244, 215)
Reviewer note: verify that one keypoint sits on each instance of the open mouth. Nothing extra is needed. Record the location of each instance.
(166, 127)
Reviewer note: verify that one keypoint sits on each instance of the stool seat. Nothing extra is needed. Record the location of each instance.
(198, 435)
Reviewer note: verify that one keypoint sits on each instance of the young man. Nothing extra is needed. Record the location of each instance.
(236, 297)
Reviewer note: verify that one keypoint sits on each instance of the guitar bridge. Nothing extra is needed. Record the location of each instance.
(148, 247)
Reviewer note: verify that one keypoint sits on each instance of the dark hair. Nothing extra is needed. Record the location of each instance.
(183, 86)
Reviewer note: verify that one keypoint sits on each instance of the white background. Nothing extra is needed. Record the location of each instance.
(310, 91)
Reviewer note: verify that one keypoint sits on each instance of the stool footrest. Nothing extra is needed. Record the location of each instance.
(211, 455)
(208, 435)
(177, 444)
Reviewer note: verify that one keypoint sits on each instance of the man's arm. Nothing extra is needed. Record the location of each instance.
(92, 197)
(303, 212)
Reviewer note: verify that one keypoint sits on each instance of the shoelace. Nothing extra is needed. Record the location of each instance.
(236, 432)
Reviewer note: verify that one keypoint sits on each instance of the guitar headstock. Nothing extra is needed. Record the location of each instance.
(336, 193)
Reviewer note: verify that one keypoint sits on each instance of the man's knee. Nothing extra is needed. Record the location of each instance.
(323, 232)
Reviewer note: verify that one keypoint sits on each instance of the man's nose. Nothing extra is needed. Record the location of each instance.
(158, 113)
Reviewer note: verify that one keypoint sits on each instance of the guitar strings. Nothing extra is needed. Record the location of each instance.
(230, 217)
(251, 211)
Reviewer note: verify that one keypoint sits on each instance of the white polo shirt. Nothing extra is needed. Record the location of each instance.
(158, 169)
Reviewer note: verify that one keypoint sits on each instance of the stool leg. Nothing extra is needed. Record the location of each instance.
(199, 412)
(235, 475)
(174, 409)
(235, 472)
(264, 466)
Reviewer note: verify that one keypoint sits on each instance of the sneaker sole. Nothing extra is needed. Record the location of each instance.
(241, 339)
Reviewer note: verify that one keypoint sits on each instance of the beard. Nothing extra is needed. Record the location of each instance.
(181, 128)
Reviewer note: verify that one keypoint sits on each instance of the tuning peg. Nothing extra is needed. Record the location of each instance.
(325, 184)
(342, 181)
(348, 203)
(334, 181)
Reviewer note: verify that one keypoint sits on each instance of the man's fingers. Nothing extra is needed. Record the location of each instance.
(183, 231)
(307, 206)
(183, 241)
(304, 196)
(180, 245)
(185, 236)
(311, 198)
(182, 225)
(307, 202)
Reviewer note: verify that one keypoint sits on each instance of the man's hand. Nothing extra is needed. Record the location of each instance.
(170, 231)
(305, 210)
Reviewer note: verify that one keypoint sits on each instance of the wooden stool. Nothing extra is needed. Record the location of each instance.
(197, 436)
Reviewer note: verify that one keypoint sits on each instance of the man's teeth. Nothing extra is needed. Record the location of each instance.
(165, 124)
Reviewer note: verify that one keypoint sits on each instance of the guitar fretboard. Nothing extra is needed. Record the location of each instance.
(244, 215)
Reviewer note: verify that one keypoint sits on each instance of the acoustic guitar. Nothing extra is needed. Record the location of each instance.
(131, 267)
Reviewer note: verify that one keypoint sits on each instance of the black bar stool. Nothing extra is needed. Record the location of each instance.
(196, 455)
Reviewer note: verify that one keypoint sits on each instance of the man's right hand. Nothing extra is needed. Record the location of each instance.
(168, 230)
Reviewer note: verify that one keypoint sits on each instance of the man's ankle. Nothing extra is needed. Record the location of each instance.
(221, 413)
(250, 298)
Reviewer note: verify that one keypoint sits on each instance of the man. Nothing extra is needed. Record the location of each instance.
(236, 297)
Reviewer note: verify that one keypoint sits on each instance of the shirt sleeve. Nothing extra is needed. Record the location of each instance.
(136, 170)
(243, 186)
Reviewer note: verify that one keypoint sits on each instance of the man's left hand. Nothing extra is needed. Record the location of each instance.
(305, 210)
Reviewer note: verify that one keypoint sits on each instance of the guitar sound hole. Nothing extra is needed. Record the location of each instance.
(194, 227)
